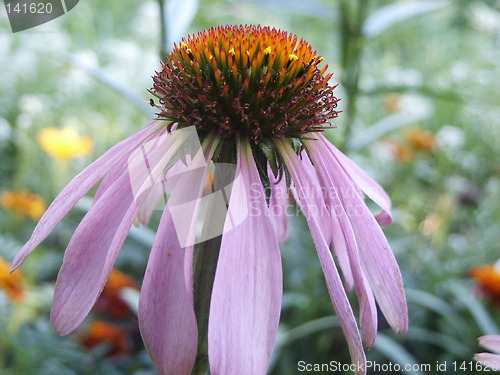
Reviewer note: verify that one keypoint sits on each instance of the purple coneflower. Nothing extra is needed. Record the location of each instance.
(490, 360)
(256, 98)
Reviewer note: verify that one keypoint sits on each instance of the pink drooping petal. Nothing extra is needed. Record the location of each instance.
(381, 268)
(315, 190)
(166, 312)
(340, 249)
(490, 342)
(157, 168)
(247, 290)
(77, 188)
(346, 257)
(368, 311)
(369, 186)
(156, 196)
(489, 360)
(332, 183)
(376, 256)
(149, 203)
(90, 256)
(119, 168)
(114, 174)
(310, 203)
(278, 205)
(94, 247)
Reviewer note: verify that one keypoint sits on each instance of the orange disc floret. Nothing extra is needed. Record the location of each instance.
(11, 283)
(488, 279)
(251, 80)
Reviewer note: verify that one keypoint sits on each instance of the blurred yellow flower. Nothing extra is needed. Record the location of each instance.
(11, 283)
(23, 202)
(64, 144)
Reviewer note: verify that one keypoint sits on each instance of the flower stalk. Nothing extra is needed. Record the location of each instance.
(352, 43)
(207, 256)
(163, 30)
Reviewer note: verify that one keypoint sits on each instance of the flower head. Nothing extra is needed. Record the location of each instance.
(490, 360)
(23, 202)
(252, 81)
(253, 98)
(64, 144)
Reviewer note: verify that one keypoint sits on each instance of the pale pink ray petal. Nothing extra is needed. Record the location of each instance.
(149, 202)
(278, 205)
(489, 360)
(77, 188)
(119, 168)
(90, 256)
(97, 241)
(369, 186)
(316, 190)
(376, 255)
(381, 268)
(368, 312)
(490, 342)
(114, 174)
(310, 202)
(340, 249)
(166, 313)
(155, 198)
(331, 178)
(247, 290)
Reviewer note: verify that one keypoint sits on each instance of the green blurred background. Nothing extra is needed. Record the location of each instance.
(419, 82)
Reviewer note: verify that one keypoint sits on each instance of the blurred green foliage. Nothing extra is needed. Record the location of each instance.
(427, 68)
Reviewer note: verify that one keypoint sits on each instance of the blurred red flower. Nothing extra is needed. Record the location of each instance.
(111, 301)
(101, 332)
(487, 278)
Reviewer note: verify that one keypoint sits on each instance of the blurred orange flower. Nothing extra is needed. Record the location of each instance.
(64, 144)
(487, 278)
(413, 140)
(110, 300)
(421, 139)
(11, 283)
(401, 152)
(23, 202)
(392, 102)
(101, 332)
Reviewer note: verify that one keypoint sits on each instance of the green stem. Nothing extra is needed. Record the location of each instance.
(204, 275)
(352, 43)
(207, 256)
(163, 31)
